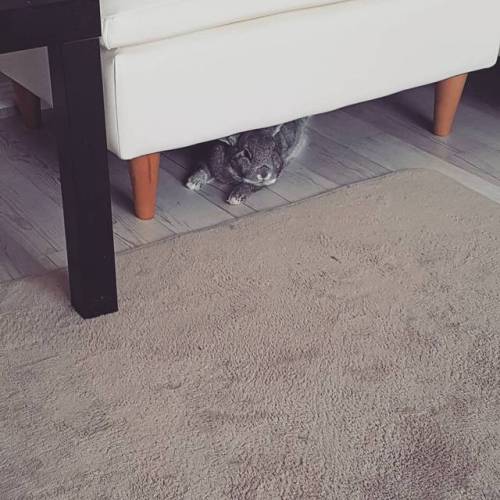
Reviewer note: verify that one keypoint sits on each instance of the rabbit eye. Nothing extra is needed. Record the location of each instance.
(247, 154)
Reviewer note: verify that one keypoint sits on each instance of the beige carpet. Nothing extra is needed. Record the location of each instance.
(346, 347)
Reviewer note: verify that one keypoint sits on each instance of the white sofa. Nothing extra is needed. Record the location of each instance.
(179, 72)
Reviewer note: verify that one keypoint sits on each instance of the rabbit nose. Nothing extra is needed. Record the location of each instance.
(265, 173)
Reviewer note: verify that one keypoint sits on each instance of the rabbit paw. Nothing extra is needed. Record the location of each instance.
(240, 193)
(193, 185)
(236, 199)
(198, 179)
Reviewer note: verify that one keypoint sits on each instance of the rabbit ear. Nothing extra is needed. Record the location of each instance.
(277, 129)
(231, 140)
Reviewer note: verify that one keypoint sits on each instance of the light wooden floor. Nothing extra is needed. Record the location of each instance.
(345, 146)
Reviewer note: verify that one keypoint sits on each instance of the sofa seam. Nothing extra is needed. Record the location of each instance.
(107, 39)
(115, 100)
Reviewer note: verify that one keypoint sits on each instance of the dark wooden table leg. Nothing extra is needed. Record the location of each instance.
(78, 104)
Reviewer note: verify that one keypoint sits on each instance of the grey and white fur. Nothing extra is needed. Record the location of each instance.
(251, 160)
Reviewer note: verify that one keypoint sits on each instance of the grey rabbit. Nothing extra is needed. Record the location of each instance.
(250, 160)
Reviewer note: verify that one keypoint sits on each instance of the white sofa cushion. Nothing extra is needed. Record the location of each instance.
(133, 22)
(215, 82)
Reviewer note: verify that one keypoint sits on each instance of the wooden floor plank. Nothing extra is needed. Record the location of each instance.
(8, 270)
(18, 258)
(337, 162)
(7, 107)
(342, 126)
(182, 210)
(395, 155)
(264, 200)
(460, 149)
(25, 209)
(298, 182)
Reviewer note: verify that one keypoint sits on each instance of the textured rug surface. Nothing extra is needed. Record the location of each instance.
(346, 347)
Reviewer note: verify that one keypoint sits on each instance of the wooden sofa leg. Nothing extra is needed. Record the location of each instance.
(144, 172)
(29, 106)
(448, 95)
